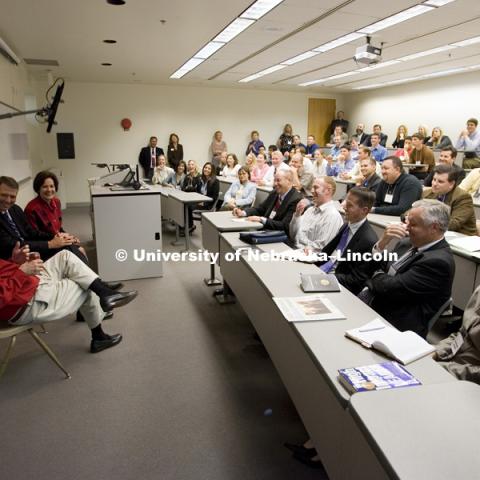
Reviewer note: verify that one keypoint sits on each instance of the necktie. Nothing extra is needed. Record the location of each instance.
(395, 267)
(12, 225)
(278, 202)
(342, 243)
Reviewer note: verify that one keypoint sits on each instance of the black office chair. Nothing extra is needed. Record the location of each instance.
(438, 314)
(197, 214)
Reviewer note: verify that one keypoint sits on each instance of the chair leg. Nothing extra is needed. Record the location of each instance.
(6, 358)
(49, 352)
(43, 329)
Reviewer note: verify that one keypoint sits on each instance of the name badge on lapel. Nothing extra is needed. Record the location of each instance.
(272, 215)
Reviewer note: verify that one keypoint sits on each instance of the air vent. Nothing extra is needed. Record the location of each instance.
(42, 62)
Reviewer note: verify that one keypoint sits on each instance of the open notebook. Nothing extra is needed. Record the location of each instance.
(405, 347)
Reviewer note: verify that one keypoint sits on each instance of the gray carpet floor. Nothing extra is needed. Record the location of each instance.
(184, 396)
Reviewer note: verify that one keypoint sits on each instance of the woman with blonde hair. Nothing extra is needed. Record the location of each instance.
(423, 130)
(402, 132)
(438, 140)
(250, 162)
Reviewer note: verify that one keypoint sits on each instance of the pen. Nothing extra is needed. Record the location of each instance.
(370, 329)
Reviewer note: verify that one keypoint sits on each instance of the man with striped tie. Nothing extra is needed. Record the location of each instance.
(409, 291)
(356, 236)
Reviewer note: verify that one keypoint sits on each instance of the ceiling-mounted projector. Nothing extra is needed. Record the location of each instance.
(368, 54)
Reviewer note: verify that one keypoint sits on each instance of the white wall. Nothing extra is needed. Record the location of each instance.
(92, 111)
(445, 102)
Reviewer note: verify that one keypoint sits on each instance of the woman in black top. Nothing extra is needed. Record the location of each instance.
(400, 138)
(174, 151)
(285, 141)
(438, 140)
(192, 178)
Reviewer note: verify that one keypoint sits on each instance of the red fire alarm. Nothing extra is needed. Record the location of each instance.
(126, 124)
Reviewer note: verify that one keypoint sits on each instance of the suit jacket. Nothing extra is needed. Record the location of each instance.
(174, 156)
(144, 159)
(409, 299)
(362, 139)
(464, 364)
(284, 213)
(383, 140)
(462, 214)
(352, 274)
(213, 190)
(372, 183)
(37, 240)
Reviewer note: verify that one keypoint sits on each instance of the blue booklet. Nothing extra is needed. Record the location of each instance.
(379, 376)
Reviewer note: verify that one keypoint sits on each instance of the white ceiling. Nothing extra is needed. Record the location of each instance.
(149, 51)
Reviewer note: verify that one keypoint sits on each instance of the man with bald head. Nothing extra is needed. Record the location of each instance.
(277, 210)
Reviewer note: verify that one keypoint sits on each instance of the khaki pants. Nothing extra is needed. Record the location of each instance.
(63, 289)
(470, 163)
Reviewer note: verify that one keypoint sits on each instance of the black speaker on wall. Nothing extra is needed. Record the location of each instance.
(65, 145)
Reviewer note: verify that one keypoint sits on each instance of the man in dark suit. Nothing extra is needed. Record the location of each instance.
(377, 130)
(277, 210)
(370, 179)
(360, 134)
(355, 236)
(14, 227)
(409, 291)
(148, 157)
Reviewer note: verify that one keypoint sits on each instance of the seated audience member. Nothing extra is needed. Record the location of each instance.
(222, 163)
(263, 151)
(175, 180)
(360, 134)
(377, 151)
(471, 183)
(271, 149)
(302, 180)
(421, 154)
(354, 151)
(285, 141)
(311, 146)
(369, 177)
(161, 172)
(255, 144)
(404, 153)
(337, 133)
(343, 163)
(174, 151)
(231, 168)
(240, 194)
(444, 188)
(33, 291)
(276, 211)
(208, 185)
(355, 174)
(250, 162)
(277, 165)
(469, 141)
(148, 156)
(307, 161)
(297, 143)
(409, 291)
(339, 122)
(15, 227)
(460, 352)
(319, 165)
(397, 191)
(312, 228)
(260, 169)
(217, 147)
(192, 177)
(337, 144)
(356, 236)
(447, 157)
(438, 140)
(400, 137)
(423, 131)
(382, 138)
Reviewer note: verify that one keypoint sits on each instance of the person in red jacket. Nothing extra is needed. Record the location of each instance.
(33, 291)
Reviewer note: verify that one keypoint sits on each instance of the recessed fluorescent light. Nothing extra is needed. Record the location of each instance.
(260, 8)
(328, 79)
(262, 73)
(466, 43)
(365, 87)
(395, 19)
(338, 42)
(378, 65)
(186, 67)
(208, 50)
(299, 58)
(232, 30)
(437, 3)
(432, 51)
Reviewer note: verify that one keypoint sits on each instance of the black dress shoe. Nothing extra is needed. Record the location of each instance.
(107, 342)
(79, 317)
(117, 300)
(114, 285)
(192, 228)
(108, 315)
(300, 449)
(309, 462)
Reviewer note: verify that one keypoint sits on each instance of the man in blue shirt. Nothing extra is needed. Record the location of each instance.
(311, 146)
(335, 151)
(469, 141)
(377, 151)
